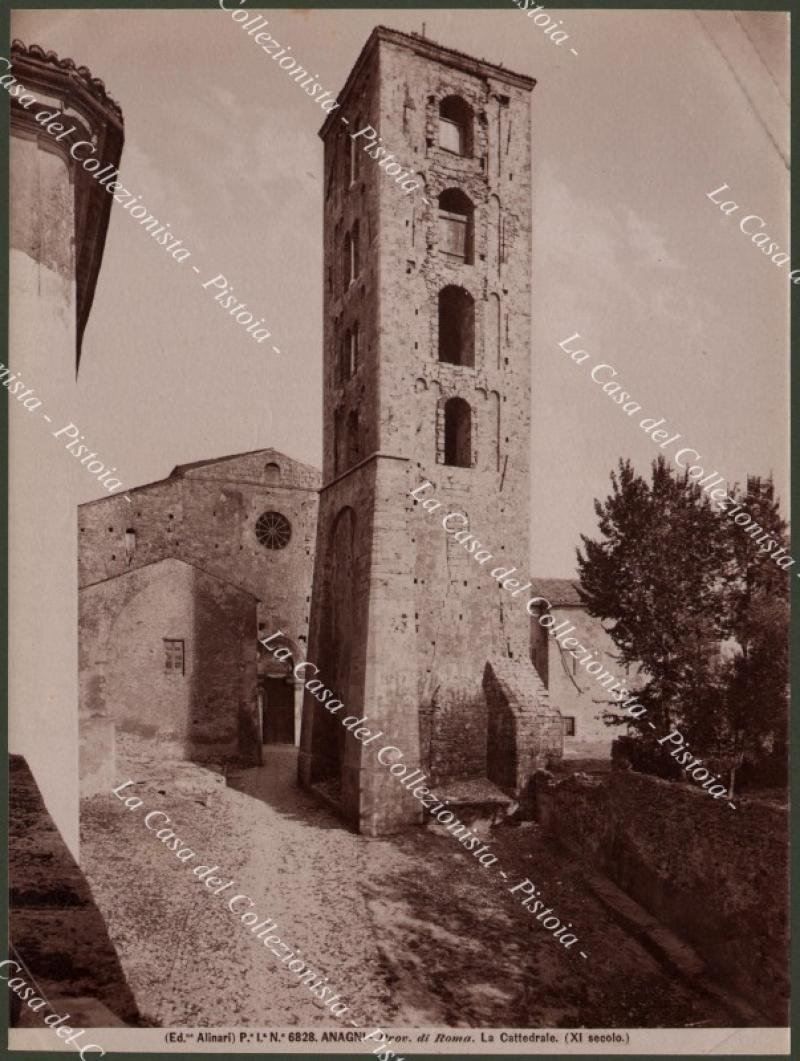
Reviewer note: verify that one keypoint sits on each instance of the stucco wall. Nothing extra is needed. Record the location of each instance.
(43, 479)
(58, 218)
(575, 693)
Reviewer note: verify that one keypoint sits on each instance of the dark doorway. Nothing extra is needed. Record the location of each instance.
(277, 711)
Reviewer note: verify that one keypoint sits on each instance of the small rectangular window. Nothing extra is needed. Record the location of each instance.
(174, 656)
(569, 726)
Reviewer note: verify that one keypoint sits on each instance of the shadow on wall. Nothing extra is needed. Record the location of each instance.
(55, 927)
(223, 704)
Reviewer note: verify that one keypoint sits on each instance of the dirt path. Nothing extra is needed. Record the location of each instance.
(189, 960)
(411, 930)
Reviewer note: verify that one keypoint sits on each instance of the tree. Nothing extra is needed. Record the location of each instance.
(752, 725)
(674, 579)
(654, 579)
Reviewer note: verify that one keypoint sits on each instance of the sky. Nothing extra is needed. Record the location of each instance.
(656, 110)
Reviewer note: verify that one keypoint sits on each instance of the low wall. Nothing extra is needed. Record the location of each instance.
(718, 877)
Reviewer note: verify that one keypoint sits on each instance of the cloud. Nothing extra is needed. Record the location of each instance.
(597, 255)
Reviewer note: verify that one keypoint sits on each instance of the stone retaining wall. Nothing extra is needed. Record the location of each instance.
(716, 876)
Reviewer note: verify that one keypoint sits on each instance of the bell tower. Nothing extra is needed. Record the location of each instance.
(427, 340)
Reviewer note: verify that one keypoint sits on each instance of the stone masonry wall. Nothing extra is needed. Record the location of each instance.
(461, 616)
(523, 731)
(457, 747)
(193, 715)
(206, 514)
(375, 629)
(350, 432)
(426, 615)
(716, 876)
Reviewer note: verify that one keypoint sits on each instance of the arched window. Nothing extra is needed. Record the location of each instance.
(456, 326)
(455, 224)
(457, 433)
(455, 125)
(272, 473)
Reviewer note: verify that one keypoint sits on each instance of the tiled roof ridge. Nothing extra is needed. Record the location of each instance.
(560, 591)
(92, 84)
(180, 469)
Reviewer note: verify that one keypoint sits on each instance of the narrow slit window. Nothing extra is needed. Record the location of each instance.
(353, 351)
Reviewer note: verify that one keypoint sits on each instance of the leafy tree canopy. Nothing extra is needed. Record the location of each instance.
(698, 605)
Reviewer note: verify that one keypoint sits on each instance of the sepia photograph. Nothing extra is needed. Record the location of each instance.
(399, 559)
